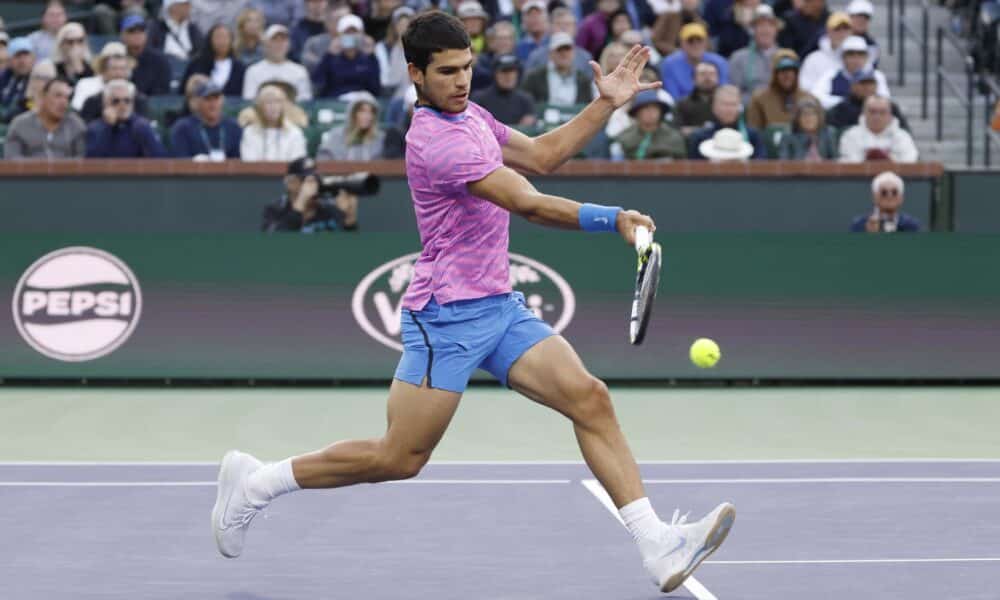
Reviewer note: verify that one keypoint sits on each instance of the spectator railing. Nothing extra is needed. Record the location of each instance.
(966, 98)
(991, 94)
(923, 41)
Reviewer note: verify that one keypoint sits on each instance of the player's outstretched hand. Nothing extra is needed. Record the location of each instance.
(620, 85)
(628, 220)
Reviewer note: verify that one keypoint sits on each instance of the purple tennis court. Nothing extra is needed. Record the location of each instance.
(505, 530)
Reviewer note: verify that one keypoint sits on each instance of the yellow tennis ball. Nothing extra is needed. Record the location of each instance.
(705, 353)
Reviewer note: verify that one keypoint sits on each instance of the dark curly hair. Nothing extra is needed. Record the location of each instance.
(432, 32)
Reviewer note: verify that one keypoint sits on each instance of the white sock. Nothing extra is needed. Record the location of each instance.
(641, 521)
(270, 481)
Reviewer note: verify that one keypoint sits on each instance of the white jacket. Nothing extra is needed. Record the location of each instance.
(272, 144)
(823, 86)
(818, 62)
(894, 140)
(264, 71)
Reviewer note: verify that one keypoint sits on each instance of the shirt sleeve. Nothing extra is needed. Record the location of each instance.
(455, 160)
(500, 131)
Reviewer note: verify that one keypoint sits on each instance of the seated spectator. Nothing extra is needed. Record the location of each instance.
(695, 111)
(42, 73)
(508, 104)
(188, 107)
(775, 104)
(393, 76)
(88, 86)
(206, 13)
(249, 44)
(43, 41)
(317, 46)
(677, 70)
(861, 13)
(620, 119)
(206, 134)
(618, 23)
(395, 135)
(173, 33)
(14, 80)
(534, 28)
(847, 113)
(277, 67)
(360, 138)
(887, 197)
(474, 18)
(109, 13)
(71, 54)
(270, 132)
(4, 56)
(305, 209)
(151, 73)
(670, 17)
(350, 70)
(593, 33)
(379, 17)
(810, 139)
(120, 133)
(563, 20)
(217, 59)
(501, 38)
(558, 83)
(826, 57)
(734, 31)
(804, 26)
(725, 145)
(750, 67)
(726, 109)
(877, 136)
(313, 23)
(650, 137)
(835, 85)
(50, 131)
(115, 66)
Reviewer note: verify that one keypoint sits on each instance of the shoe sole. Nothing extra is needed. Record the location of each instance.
(716, 536)
(225, 482)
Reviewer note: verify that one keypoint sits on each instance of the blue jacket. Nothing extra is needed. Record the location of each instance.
(336, 74)
(132, 138)
(188, 136)
(678, 74)
(906, 224)
(151, 74)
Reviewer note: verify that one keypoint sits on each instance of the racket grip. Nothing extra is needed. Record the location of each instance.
(642, 238)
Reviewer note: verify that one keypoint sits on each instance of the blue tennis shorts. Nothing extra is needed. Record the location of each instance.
(447, 343)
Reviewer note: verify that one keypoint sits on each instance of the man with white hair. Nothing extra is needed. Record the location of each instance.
(877, 136)
(277, 67)
(174, 33)
(886, 216)
(120, 133)
(114, 66)
(835, 84)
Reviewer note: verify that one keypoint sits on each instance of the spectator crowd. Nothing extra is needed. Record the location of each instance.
(277, 80)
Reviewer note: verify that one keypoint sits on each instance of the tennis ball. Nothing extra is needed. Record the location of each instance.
(705, 353)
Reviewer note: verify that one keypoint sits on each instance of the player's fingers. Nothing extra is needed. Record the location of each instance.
(650, 86)
(627, 62)
(642, 57)
(598, 75)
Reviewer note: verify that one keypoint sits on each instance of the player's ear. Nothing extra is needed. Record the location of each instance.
(416, 75)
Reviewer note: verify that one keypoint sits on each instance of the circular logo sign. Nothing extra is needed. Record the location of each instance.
(77, 304)
(378, 300)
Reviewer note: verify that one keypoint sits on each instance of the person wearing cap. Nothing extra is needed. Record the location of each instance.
(114, 66)
(217, 59)
(151, 73)
(49, 131)
(206, 13)
(593, 32)
(312, 23)
(120, 133)
(695, 110)
(775, 104)
(474, 18)
(389, 53)
(505, 102)
(810, 138)
(318, 45)
(677, 70)
(750, 67)
(804, 26)
(726, 114)
(351, 69)
(827, 56)
(558, 83)
(861, 13)
(206, 133)
(562, 19)
(272, 128)
(360, 137)
(877, 136)
(107, 14)
(835, 84)
(534, 28)
(43, 41)
(848, 111)
(650, 137)
(174, 33)
(886, 216)
(304, 209)
(14, 79)
(277, 67)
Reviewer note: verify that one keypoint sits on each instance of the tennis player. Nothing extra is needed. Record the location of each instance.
(460, 312)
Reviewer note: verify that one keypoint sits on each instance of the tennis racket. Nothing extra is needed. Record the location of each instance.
(646, 281)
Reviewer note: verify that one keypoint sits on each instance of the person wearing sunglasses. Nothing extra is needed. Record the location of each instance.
(72, 54)
(120, 133)
(886, 216)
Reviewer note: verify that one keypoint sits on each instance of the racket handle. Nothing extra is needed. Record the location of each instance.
(642, 238)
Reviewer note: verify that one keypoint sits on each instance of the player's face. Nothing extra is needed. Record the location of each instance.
(446, 81)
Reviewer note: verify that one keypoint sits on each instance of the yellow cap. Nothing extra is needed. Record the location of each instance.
(693, 30)
(837, 19)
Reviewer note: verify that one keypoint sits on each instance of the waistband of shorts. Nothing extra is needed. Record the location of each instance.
(484, 301)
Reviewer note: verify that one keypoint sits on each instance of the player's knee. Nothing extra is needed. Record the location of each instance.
(395, 466)
(594, 402)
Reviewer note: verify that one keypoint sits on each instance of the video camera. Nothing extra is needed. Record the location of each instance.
(360, 184)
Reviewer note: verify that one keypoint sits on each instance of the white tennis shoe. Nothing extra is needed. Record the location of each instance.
(233, 511)
(683, 546)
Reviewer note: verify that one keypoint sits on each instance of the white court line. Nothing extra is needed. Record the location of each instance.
(855, 561)
(693, 585)
(790, 461)
(770, 480)
(213, 483)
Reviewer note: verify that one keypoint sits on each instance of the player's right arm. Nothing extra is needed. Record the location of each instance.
(510, 190)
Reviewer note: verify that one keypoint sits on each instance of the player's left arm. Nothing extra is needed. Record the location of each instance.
(543, 154)
(509, 189)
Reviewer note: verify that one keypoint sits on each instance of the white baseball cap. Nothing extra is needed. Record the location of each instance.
(861, 7)
(350, 22)
(274, 30)
(530, 4)
(855, 43)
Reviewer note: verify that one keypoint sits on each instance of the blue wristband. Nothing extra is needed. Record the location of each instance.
(594, 217)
